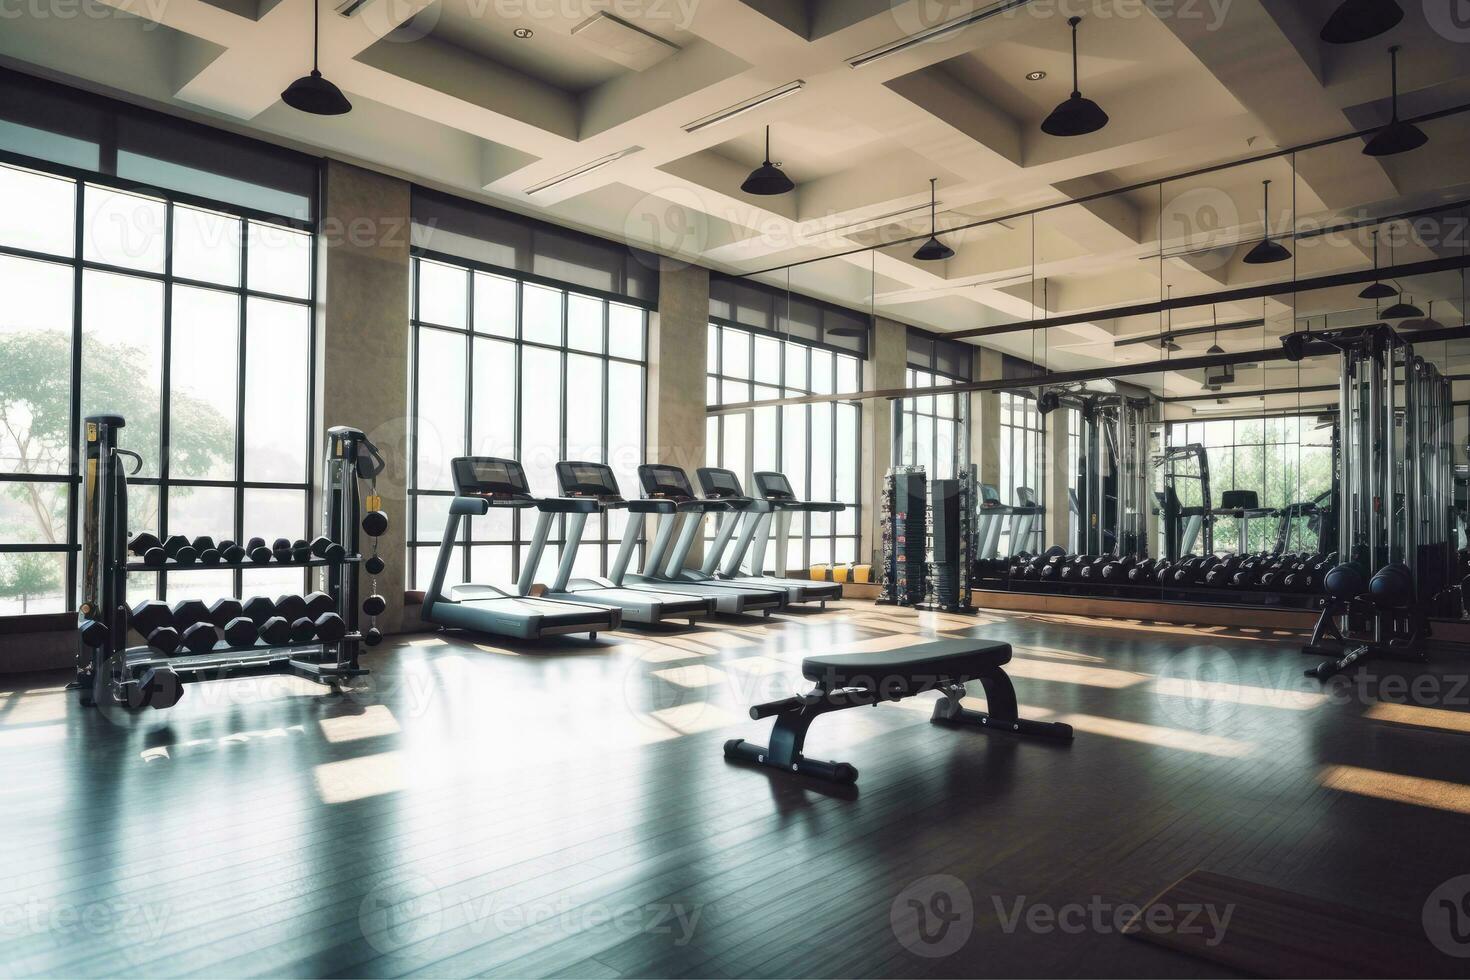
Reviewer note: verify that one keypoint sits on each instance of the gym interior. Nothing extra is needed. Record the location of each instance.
(456, 456)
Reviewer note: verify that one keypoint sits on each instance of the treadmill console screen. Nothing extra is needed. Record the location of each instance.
(665, 481)
(719, 483)
(482, 475)
(774, 486)
(587, 480)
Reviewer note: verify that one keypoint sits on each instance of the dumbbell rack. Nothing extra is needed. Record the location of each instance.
(903, 525)
(948, 586)
(108, 672)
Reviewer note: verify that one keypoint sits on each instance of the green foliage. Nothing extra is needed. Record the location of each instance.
(25, 576)
(35, 411)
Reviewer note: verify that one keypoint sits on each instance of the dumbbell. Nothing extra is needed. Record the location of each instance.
(196, 629)
(258, 609)
(329, 627)
(276, 631)
(375, 523)
(154, 622)
(241, 632)
(158, 687)
(372, 636)
(231, 552)
(302, 630)
(300, 551)
(374, 565)
(374, 605)
(92, 632)
(208, 551)
(1164, 572)
(178, 548)
(318, 604)
(1142, 573)
(281, 549)
(200, 638)
(290, 608)
(257, 551)
(328, 549)
(147, 547)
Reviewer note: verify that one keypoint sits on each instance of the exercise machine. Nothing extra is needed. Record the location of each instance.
(640, 604)
(683, 516)
(191, 642)
(1183, 526)
(480, 483)
(754, 517)
(851, 680)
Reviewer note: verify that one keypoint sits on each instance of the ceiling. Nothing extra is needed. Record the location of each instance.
(447, 94)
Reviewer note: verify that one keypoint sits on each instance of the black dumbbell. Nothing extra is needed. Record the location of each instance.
(276, 631)
(188, 612)
(147, 547)
(318, 604)
(290, 607)
(374, 605)
(241, 632)
(258, 608)
(300, 551)
(93, 633)
(281, 549)
(328, 549)
(257, 551)
(206, 549)
(372, 636)
(200, 638)
(329, 627)
(224, 610)
(374, 565)
(177, 547)
(302, 630)
(375, 524)
(158, 687)
(231, 552)
(153, 621)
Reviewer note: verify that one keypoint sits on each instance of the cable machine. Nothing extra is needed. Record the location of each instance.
(1113, 466)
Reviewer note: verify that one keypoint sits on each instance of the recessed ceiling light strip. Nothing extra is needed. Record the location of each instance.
(741, 108)
(935, 32)
(586, 168)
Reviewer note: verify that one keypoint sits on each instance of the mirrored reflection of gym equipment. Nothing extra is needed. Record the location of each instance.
(1112, 477)
(1396, 510)
(1183, 525)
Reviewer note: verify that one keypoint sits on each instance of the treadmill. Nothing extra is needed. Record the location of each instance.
(755, 516)
(640, 604)
(482, 482)
(679, 509)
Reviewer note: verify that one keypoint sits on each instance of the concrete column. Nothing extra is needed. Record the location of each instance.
(363, 342)
(1058, 506)
(985, 422)
(884, 368)
(677, 363)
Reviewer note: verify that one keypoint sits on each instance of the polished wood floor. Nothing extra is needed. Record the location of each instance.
(481, 808)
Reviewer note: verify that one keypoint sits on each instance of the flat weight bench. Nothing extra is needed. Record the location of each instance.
(850, 680)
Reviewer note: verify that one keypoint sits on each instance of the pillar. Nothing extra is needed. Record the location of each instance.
(677, 364)
(1057, 503)
(985, 422)
(364, 273)
(884, 368)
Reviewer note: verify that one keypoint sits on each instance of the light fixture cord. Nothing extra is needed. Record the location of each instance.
(768, 146)
(1393, 61)
(1076, 88)
(933, 208)
(316, 34)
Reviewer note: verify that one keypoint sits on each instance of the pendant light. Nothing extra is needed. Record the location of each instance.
(1224, 374)
(933, 250)
(767, 180)
(313, 93)
(1379, 289)
(1402, 311)
(1266, 251)
(1358, 20)
(1077, 116)
(1423, 323)
(1395, 137)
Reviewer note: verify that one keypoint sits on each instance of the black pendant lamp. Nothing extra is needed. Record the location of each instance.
(933, 250)
(767, 180)
(1358, 20)
(1423, 323)
(1266, 251)
(1077, 116)
(1223, 374)
(1396, 136)
(1402, 311)
(313, 93)
(1379, 290)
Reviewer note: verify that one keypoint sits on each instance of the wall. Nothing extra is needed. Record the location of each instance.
(884, 368)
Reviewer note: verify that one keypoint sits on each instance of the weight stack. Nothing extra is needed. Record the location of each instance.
(904, 531)
(945, 568)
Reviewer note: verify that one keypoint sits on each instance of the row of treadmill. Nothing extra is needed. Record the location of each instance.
(662, 589)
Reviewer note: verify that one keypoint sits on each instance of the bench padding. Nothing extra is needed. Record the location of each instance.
(940, 661)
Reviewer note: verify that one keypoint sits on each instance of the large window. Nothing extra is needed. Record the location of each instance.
(506, 366)
(192, 322)
(1022, 447)
(1284, 460)
(815, 446)
(932, 431)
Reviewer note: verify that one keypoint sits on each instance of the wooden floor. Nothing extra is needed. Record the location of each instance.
(480, 808)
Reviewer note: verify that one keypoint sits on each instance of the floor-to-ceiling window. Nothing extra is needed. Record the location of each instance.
(816, 446)
(511, 367)
(932, 425)
(189, 317)
(1283, 459)
(1022, 448)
